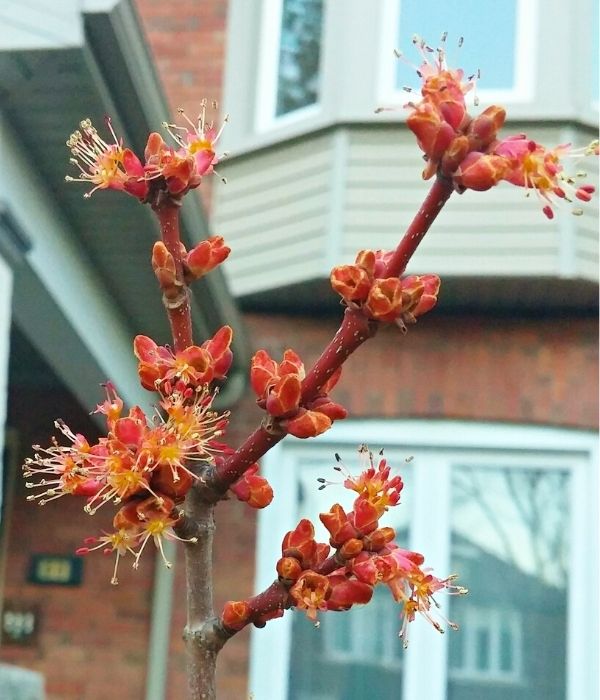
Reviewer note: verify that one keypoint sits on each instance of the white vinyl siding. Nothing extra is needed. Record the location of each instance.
(293, 211)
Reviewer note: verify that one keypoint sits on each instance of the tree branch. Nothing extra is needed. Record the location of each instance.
(355, 328)
(438, 195)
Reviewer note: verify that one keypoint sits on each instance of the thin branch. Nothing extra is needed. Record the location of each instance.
(354, 330)
(167, 210)
(432, 205)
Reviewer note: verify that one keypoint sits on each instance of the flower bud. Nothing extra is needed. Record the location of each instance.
(366, 516)
(163, 265)
(218, 347)
(351, 548)
(351, 282)
(263, 372)
(454, 154)
(378, 539)
(173, 484)
(323, 404)
(385, 299)
(337, 523)
(284, 397)
(480, 171)
(236, 614)
(307, 424)
(433, 133)
(300, 542)
(484, 127)
(206, 256)
(289, 569)
(423, 291)
(253, 489)
(348, 592)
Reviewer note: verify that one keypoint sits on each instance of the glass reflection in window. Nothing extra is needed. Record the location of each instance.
(510, 542)
(299, 55)
(491, 52)
(355, 654)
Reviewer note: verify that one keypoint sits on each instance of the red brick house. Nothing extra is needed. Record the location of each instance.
(494, 393)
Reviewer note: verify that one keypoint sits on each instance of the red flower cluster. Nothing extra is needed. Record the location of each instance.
(140, 464)
(364, 552)
(467, 150)
(162, 370)
(384, 298)
(525, 163)
(174, 169)
(278, 387)
(143, 465)
(364, 556)
(186, 372)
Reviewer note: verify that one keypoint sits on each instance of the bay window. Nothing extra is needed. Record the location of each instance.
(511, 509)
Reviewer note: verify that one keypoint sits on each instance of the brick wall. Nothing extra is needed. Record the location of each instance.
(93, 638)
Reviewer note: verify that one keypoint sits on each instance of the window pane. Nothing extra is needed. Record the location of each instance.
(510, 544)
(483, 650)
(490, 50)
(356, 654)
(299, 55)
(506, 650)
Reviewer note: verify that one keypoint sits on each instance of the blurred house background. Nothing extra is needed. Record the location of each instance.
(493, 394)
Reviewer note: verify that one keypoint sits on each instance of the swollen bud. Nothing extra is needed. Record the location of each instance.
(164, 268)
(289, 569)
(454, 155)
(206, 256)
(236, 614)
(480, 172)
(483, 129)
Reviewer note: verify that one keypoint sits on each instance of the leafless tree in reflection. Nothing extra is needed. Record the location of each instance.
(526, 500)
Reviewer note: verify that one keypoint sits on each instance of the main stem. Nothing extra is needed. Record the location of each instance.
(201, 645)
(178, 310)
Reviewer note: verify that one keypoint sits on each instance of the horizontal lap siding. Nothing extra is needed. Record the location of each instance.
(500, 232)
(586, 240)
(274, 213)
(277, 208)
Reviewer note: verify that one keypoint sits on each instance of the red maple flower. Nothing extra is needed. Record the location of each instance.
(105, 165)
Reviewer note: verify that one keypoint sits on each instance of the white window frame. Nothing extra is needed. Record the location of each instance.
(268, 67)
(526, 50)
(492, 620)
(436, 444)
(386, 627)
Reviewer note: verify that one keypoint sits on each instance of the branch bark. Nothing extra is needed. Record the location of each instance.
(167, 210)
